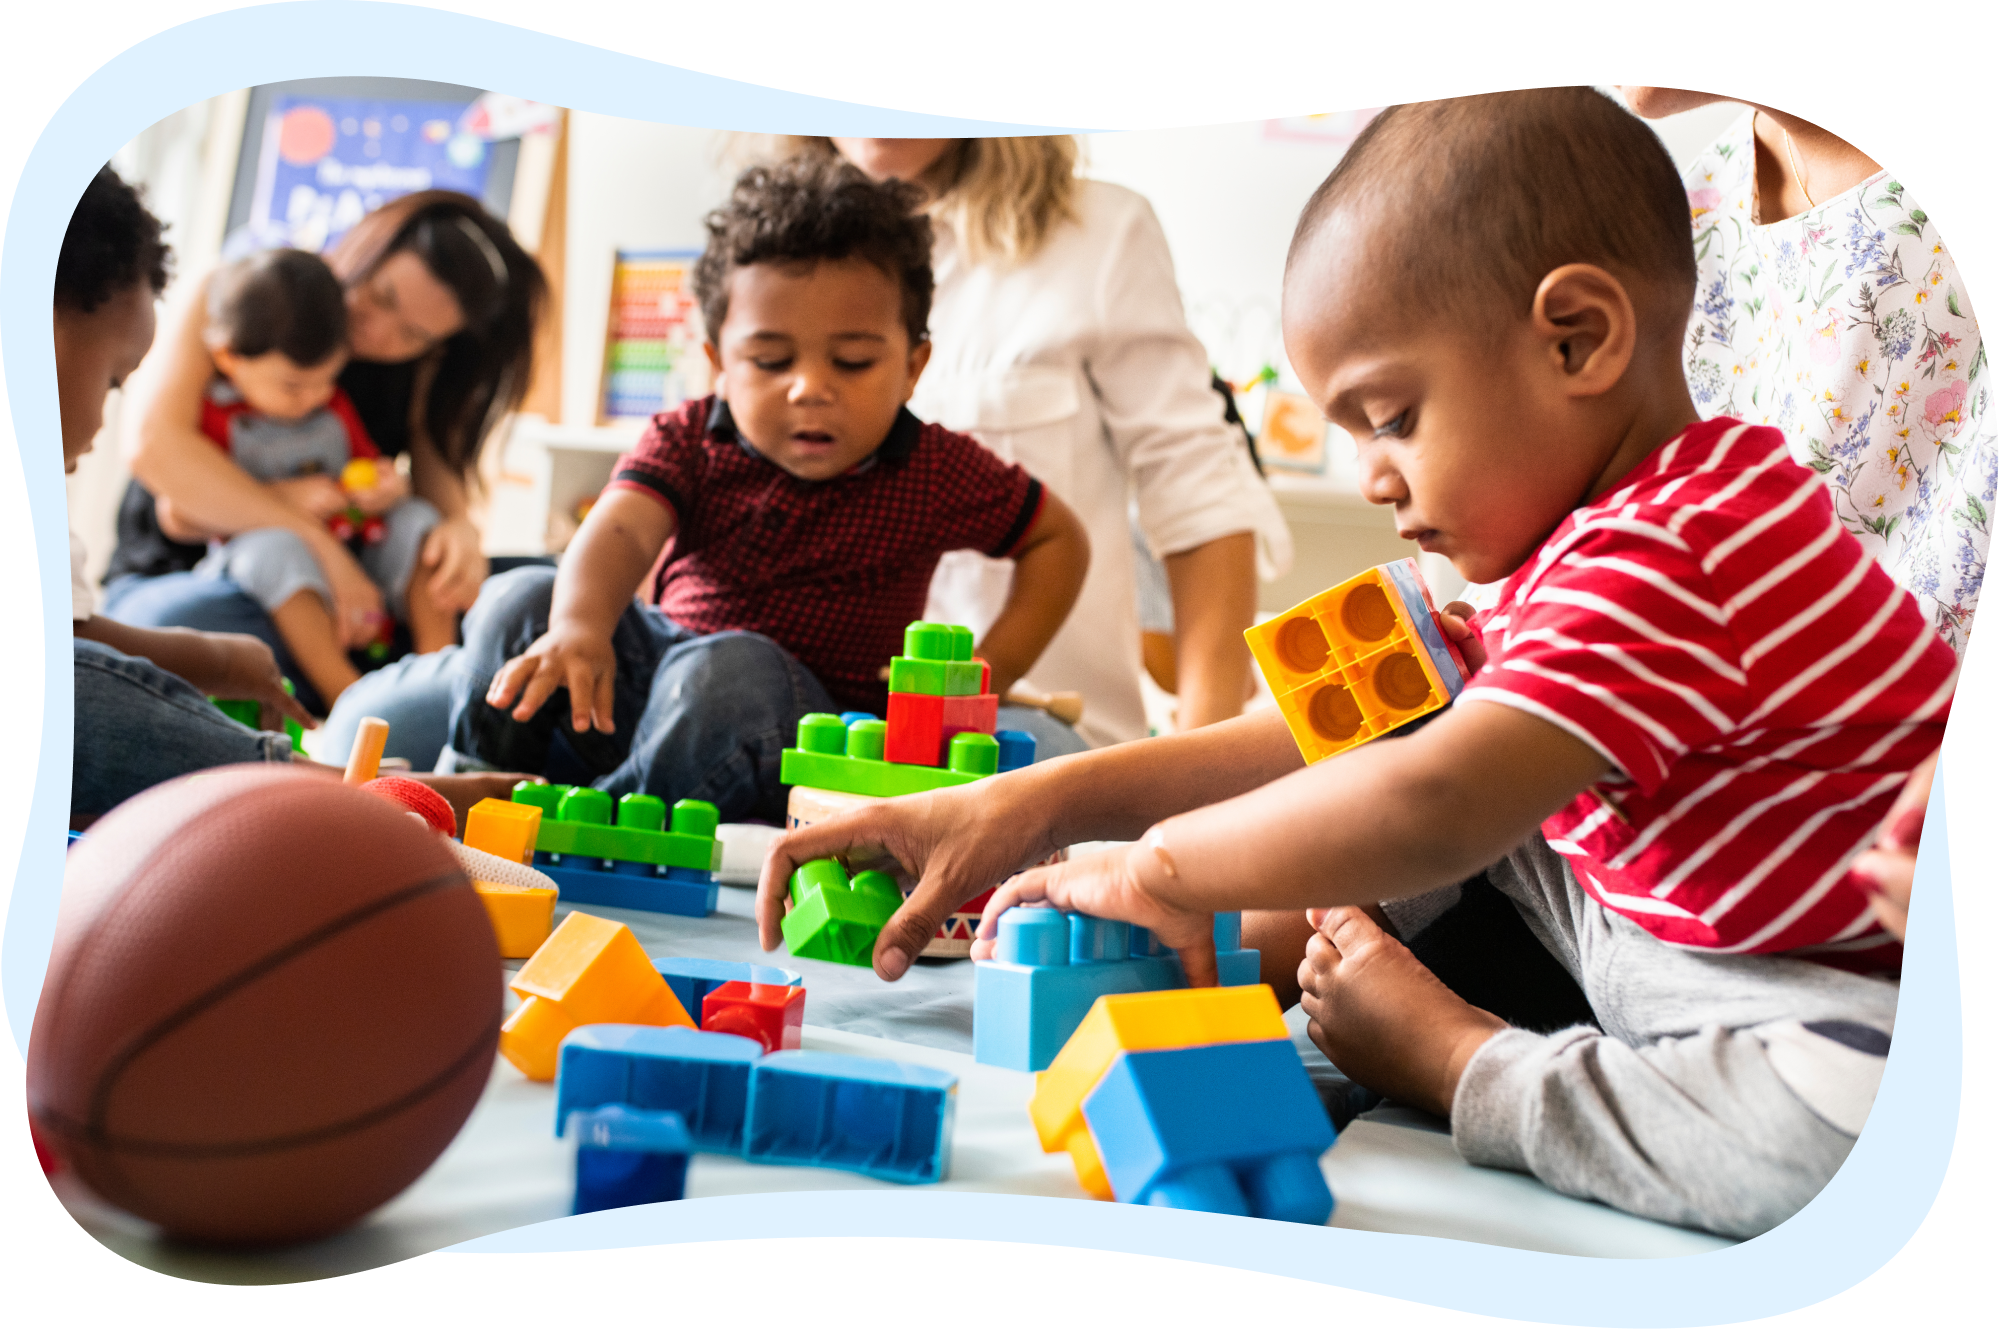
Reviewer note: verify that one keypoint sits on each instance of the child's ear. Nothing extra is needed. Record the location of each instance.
(920, 358)
(1585, 319)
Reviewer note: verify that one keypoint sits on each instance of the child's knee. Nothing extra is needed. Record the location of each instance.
(272, 565)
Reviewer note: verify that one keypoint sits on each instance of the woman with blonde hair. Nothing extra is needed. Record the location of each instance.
(1059, 341)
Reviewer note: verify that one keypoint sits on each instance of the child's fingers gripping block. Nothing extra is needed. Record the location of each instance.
(837, 919)
(589, 970)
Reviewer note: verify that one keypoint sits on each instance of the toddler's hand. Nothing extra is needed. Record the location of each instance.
(562, 657)
(1891, 866)
(318, 495)
(1455, 619)
(1111, 885)
(390, 488)
(245, 670)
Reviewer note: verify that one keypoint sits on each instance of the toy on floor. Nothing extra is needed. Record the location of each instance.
(691, 978)
(626, 1157)
(364, 758)
(1048, 968)
(269, 1006)
(770, 1015)
(1189, 1099)
(835, 918)
(418, 798)
(1359, 660)
(250, 713)
(638, 862)
(520, 900)
(790, 1107)
(589, 970)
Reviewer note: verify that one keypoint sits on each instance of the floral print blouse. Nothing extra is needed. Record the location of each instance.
(1848, 328)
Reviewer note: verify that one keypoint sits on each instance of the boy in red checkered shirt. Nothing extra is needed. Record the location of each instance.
(806, 508)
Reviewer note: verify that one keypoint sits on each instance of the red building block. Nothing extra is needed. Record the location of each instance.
(970, 715)
(916, 729)
(770, 1015)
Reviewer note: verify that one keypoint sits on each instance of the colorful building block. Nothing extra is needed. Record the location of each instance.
(770, 1015)
(1233, 1128)
(626, 1157)
(1359, 660)
(892, 1121)
(916, 729)
(1125, 1023)
(835, 756)
(977, 714)
(937, 662)
(639, 863)
(835, 918)
(691, 978)
(1017, 748)
(522, 916)
(589, 970)
(701, 1076)
(506, 829)
(1048, 968)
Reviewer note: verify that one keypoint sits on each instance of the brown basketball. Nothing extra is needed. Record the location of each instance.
(273, 1000)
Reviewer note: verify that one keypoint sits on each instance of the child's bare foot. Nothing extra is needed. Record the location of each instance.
(1382, 1017)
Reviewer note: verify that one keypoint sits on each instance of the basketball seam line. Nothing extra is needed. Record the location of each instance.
(93, 1124)
(199, 1151)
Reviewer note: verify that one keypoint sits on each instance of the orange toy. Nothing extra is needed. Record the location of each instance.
(1359, 660)
(589, 970)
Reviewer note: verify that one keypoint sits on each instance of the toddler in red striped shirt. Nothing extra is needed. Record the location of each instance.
(1693, 704)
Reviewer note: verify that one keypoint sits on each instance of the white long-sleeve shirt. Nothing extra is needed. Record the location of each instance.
(1078, 365)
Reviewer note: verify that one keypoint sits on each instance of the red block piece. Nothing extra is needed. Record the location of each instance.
(916, 729)
(970, 715)
(770, 1015)
(985, 679)
(421, 800)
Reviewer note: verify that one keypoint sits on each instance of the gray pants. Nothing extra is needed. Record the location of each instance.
(272, 565)
(1722, 1091)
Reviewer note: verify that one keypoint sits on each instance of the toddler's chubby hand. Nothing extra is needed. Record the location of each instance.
(389, 487)
(245, 670)
(1455, 618)
(318, 495)
(565, 656)
(1131, 883)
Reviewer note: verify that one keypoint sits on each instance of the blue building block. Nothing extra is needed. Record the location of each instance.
(892, 1121)
(1047, 970)
(1017, 748)
(691, 978)
(630, 886)
(1234, 963)
(851, 718)
(626, 1156)
(1215, 1128)
(701, 1076)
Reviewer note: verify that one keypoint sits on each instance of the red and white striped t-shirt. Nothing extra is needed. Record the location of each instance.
(1759, 684)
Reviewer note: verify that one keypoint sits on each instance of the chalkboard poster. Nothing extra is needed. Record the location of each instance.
(320, 153)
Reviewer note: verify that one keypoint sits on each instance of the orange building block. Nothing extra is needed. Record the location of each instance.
(501, 827)
(521, 916)
(1120, 1023)
(589, 970)
(1359, 660)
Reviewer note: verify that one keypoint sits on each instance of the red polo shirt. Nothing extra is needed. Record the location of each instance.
(834, 570)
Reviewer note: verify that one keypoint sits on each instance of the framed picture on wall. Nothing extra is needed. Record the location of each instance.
(319, 153)
(1294, 433)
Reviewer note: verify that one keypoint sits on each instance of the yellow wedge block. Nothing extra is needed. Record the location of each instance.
(589, 970)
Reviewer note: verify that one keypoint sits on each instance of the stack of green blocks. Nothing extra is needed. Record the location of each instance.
(578, 821)
(835, 756)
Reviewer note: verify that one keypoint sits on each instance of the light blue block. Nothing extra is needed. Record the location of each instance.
(892, 1121)
(1215, 1128)
(691, 978)
(702, 1076)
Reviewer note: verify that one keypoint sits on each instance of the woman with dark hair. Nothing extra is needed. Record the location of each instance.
(441, 307)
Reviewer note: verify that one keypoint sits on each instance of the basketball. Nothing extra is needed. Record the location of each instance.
(273, 1000)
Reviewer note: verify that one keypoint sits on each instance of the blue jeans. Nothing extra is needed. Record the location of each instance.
(138, 725)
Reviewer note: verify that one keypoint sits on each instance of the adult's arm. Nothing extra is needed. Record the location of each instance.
(208, 492)
(453, 554)
(1201, 505)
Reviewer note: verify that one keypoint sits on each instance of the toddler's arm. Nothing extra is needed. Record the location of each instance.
(610, 555)
(1391, 819)
(1049, 567)
(221, 664)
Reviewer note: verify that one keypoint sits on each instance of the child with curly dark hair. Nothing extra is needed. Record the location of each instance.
(806, 506)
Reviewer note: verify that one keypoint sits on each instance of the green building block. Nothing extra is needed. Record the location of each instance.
(835, 919)
(936, 678)
(578, 821)
(250, 714)
(830, 756)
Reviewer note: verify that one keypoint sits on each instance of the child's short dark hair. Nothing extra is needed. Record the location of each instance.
(112, 243)
(1484, 196)
(808, 209)
(282, 301)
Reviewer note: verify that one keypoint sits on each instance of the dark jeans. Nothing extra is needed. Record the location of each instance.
(697, 717)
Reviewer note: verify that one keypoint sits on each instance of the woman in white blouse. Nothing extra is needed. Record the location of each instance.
(1059, 341)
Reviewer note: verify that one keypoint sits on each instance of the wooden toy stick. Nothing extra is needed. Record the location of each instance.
(1064, 706)
(366, 759)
